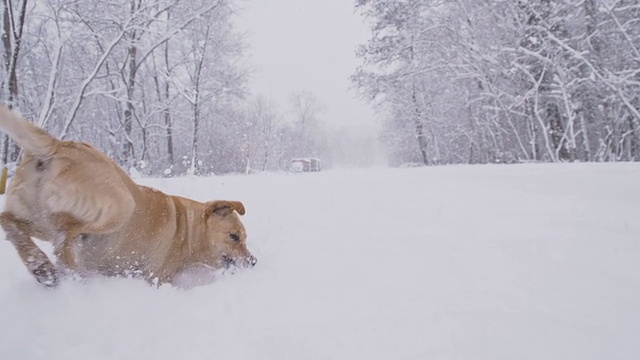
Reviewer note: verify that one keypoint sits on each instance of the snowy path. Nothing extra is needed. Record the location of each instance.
(461, 262)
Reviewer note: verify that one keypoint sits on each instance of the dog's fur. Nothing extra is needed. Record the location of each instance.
(100, 221)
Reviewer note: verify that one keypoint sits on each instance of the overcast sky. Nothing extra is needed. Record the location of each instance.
(306, 45)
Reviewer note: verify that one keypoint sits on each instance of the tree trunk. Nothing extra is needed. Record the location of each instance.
(591, 98)
(266, 148)
(419, 126)
(167, 113)
(196, 124)
(11, 41)
(163, 98)
(556, 129)
(196, 105)
(132, 51)
(633, 145)
(533, 129)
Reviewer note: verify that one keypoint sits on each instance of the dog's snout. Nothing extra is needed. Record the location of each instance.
(252, 260)
(247, 261)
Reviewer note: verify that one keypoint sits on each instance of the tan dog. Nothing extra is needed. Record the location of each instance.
(100, 221)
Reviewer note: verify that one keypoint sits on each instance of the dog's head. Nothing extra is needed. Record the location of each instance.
(227, 235)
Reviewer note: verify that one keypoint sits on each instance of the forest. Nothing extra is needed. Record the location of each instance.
(468, 81)
(162, 86)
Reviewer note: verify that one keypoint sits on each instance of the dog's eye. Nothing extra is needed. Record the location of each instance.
(234, 237)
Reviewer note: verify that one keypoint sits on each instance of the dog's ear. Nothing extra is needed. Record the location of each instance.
(224, 208)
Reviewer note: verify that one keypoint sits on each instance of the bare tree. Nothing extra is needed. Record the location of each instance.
(306, 109)
(13, 20)
(261, 121)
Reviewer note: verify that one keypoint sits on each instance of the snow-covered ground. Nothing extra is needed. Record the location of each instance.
(459, 262)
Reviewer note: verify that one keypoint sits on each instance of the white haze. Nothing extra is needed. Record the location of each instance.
(310, 45)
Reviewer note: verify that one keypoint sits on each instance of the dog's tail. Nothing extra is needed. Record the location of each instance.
(28, 136)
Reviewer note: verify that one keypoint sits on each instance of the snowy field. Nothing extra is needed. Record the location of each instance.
(460, 262)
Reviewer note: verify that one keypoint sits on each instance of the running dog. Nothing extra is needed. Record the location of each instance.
(100, 221)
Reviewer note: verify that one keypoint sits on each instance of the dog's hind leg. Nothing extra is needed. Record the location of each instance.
(69, 228)
(35, 260)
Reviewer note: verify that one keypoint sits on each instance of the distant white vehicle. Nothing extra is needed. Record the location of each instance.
(305, 165)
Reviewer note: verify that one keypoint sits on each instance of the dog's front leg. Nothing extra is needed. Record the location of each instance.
(35, 260)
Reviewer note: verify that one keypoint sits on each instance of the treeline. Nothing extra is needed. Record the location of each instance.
(158, 85)
(467, 81)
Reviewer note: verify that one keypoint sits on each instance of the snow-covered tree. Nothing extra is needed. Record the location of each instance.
(469, 81)
(140, 79)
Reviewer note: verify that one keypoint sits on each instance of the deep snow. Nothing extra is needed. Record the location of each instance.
(535, 261)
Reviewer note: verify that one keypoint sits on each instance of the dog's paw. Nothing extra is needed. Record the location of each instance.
(44, 271)
(46, 275)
